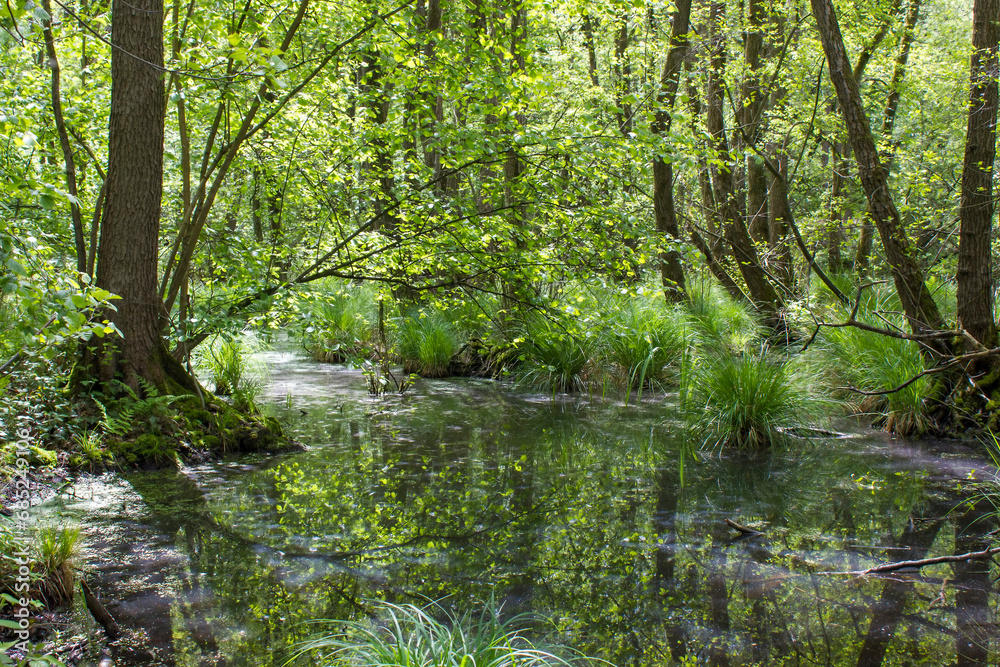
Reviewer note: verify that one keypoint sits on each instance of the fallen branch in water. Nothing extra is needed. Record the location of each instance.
(741, 528)
(958, 558)
(99, 613)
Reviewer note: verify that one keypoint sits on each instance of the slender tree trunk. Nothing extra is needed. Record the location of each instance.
(623, 77)
(864, 249)
(664, 208)
(69, 164)
(762, 293)
(754, 103)
(835, 228)
(588, 42)
(378, 101)
(513, 166)
(918, 303)
(975, 271)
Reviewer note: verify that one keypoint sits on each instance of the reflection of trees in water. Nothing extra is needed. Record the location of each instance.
(581, 521)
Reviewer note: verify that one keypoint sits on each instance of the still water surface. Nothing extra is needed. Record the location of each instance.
(583, 513)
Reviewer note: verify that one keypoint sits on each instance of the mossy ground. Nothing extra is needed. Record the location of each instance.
(187, 429)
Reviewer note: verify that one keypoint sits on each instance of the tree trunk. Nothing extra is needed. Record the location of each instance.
(127, 256)
(752, 118)
(664, 208)
(588, 41)
(762, 293)
(623, 77)
(70, 165)
(918, 303)
(975, 271)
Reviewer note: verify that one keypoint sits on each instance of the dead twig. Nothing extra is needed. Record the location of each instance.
(958, 558)
(741, 528)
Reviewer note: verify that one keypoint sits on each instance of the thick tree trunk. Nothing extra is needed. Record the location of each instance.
(127, 257)
(127, 253)
(918, 303)
(975, 274)
(664, 208)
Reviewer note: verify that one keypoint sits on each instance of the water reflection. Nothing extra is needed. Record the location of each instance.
(572, 510)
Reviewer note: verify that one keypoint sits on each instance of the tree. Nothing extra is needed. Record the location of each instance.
(918, 302)
(975, 261)
(128, 252)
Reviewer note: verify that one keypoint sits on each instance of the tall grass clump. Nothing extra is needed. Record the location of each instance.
(552, 354)
(646, 340)
(50, 557)
(426, 343)
(229, 360)
(410, 636)
(747, 400)
(720, 321)
(343, 323)
(873, 362)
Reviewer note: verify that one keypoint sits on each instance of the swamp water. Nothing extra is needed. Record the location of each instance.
(583, 513)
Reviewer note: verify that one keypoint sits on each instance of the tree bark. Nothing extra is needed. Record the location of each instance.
(765, 298)
(918, 303)
(664, 208)
(975, 271)
(127, 256)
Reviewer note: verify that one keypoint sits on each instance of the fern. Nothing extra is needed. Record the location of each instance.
(115, 425)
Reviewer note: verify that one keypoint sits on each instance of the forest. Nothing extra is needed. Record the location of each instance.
(505, 331)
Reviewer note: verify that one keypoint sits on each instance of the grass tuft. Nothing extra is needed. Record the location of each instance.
(426, 344)
(553, 355)
(747, 401)
(410, 636)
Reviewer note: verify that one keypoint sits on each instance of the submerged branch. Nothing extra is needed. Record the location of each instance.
(957, 558)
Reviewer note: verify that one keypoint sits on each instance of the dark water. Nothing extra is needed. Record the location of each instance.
(583, 513)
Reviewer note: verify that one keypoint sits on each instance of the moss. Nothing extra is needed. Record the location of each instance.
(42, 458)
(146, 450)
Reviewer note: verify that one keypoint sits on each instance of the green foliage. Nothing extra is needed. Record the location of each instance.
(411, 636)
